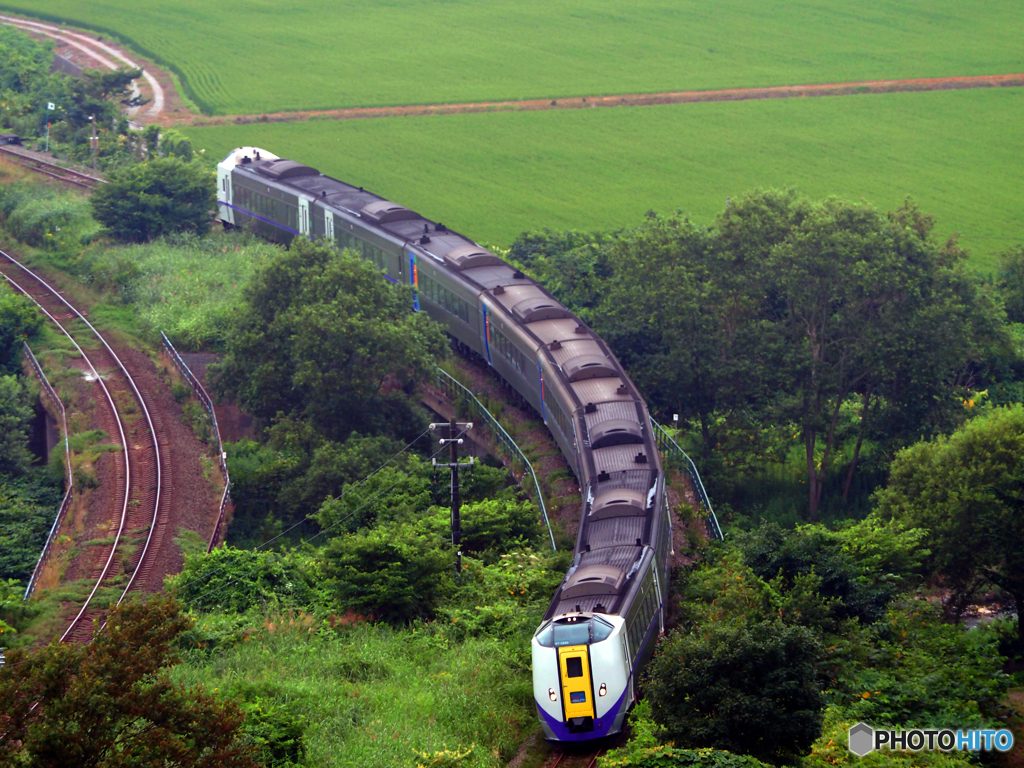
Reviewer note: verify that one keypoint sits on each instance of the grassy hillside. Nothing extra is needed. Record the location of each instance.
(958, 153)
(237, 56)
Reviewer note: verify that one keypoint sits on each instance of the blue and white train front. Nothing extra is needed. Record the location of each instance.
(581, 676)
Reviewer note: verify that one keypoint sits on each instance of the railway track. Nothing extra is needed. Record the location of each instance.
(35, 162)
(565, 760)
(133, 527)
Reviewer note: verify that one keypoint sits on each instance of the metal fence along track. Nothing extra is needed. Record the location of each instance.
(677, 457)
(461, 396)
(51, 395)
(207, 402)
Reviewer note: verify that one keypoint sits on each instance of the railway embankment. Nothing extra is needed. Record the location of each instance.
(140, 475)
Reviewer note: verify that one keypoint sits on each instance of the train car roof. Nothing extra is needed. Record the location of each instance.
(618, 453)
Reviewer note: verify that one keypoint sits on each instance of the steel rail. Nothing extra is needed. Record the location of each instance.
(81, 179)
(120, 426)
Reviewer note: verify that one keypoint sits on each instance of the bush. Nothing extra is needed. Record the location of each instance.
(27, 508)
(165, 195)
(49, 221)
(771, 552)
(238, 580)
(746, 689)
(392, 573)
(507, 598)
(272, 722)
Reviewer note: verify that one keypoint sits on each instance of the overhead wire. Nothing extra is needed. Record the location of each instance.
(347, 517)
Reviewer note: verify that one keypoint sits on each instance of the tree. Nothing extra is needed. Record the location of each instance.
(27, 508)
(747, 688)
(967, 490)
(660, 317)
(857, 305)
(162, 196)
(111, 702)
(1011, 283)
(322, 338)
(15, 415)
(20, 320)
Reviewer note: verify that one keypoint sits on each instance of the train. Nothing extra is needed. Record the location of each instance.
(602, 624)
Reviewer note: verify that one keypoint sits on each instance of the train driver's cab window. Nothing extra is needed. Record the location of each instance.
(557, 634)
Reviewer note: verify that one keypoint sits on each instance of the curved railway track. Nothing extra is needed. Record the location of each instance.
(32, 161)
(138, 467)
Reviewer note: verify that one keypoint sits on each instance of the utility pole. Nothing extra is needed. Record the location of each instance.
(454, 439)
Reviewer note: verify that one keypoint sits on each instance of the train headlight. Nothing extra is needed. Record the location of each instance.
(552, 695)
(603, 690)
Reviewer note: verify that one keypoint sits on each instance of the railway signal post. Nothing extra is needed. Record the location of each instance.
(454, 439)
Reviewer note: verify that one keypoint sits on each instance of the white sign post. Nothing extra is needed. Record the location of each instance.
(49, 108)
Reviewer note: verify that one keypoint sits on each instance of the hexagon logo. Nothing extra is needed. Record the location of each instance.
(862, 739)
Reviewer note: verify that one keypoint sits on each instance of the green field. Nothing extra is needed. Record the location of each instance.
(241, 56)
(960, 154)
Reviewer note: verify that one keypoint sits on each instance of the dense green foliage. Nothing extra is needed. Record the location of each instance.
(187, 286)
(480, 51)
(232, 580)
(453, 678)
(111, 702)
(494, 174)
(28, 496)
(787, 325)
(749, 688)
(901, 666)
(28, 506)
(311, 298)
(19, 322)
(160, 197)
(370, 694)
(27, 85)
(644, 749)
(967, 491)
(53, 220)
(15, 414)
(883, 656)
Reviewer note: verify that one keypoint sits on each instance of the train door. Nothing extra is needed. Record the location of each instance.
(577, 690)
(304, 216)
(329, 226)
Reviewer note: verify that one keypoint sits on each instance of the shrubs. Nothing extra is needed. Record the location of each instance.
(238, 580)
(165, 195)
(390, 573)
(53, 220)
(750, 688)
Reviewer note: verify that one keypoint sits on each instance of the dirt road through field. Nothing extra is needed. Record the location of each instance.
(629, 100)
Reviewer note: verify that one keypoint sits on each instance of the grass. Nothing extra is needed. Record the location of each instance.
(494, 175)
(373, 696)
(239, 57)
(188, 287)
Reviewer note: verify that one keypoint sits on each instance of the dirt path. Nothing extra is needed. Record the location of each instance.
(91, 50)
(167, 107)
(630, 100)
